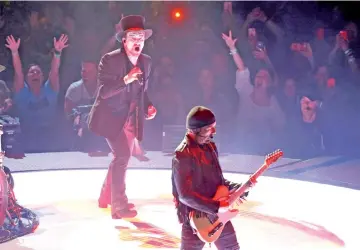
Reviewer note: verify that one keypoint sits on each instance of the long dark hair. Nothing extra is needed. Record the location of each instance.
(253, 74)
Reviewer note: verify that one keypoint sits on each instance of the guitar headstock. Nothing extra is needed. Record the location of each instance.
(273, 157)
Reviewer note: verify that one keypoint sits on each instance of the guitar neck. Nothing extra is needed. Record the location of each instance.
(241, 190)
(259, 172)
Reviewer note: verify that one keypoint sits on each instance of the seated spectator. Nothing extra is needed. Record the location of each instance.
(83, 91)
(35, 97)
(79, 99)
(11, 142)
(5, 99)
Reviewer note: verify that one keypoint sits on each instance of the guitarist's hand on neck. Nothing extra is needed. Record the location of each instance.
(252, 183)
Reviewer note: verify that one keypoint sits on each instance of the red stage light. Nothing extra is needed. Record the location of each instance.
(177, 15)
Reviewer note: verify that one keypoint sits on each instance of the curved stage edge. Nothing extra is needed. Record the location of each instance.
(337, 170)
(279, 214)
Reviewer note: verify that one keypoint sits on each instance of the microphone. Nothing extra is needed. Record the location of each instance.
(140, 79)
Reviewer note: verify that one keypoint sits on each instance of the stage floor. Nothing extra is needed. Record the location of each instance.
(279, 214)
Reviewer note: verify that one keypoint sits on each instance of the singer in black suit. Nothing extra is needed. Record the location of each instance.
(120, 108)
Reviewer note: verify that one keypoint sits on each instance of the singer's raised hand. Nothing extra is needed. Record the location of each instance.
(132, 75)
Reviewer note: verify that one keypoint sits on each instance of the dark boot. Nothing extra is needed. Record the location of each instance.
(105, 204)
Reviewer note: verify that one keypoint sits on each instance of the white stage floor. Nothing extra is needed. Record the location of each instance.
(280, 214)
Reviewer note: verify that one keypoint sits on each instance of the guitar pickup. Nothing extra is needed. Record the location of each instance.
(212, 232)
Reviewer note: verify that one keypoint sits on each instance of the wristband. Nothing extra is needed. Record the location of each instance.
(233, 51)
(348, 52)
(57, 53)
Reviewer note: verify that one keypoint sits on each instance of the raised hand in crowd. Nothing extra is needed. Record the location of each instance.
(228, 20)
(229, 40)
(60, 44)
(228, 7)
(256, 15)
(12, 43)
(341, 43)
(306, 50)
(259, 15)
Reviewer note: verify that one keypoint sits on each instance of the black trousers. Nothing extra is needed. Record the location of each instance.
(226, 241)
(114, 187)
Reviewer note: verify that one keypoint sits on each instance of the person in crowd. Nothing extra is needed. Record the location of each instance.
(260, 118)
(5, 98)
(79, 99)
(35, 96)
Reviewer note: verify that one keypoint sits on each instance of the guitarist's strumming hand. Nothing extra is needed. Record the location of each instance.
(250, 185)
(224, 204)
(233, 197)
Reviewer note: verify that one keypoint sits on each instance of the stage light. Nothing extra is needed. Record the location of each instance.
(177, 15)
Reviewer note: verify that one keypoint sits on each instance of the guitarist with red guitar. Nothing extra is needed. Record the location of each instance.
(203, 197)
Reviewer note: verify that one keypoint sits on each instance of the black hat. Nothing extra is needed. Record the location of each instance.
(133, 22)
(199, 117)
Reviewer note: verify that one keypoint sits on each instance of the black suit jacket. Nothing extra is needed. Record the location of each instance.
(111, 108)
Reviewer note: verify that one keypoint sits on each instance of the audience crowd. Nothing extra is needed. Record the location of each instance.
(276, 74)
